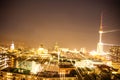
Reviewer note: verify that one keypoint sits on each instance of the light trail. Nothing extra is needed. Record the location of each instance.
(48, 64)
(82, 55)
(19, 65)
(76, 69)
(45, 68)
(111, 44)
(111, 31)
(62, 75)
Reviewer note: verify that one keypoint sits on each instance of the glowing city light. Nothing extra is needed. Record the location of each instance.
(36, 68)
(93, 53)
(42, 51)
(12, 47)
(111, 31)
(85, 63)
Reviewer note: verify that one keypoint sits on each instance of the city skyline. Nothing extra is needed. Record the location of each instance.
(73, 24)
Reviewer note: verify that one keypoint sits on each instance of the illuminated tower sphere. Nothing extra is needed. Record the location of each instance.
(100, 44)
(12, 47)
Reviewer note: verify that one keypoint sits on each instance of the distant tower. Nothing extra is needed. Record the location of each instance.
(12, 47)
(100, 44)
(56, 47)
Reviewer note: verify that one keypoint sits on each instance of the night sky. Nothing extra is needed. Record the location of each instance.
(71, 23)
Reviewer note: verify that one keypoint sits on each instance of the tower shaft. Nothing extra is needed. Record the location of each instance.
(100, 44)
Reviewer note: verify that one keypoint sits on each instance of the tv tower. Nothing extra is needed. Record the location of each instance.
(100, 44)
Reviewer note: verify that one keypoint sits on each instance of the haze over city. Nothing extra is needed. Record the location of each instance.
(59, 40)
(71, 23)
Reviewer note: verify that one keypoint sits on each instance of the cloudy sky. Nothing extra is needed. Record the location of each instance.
(71, 23)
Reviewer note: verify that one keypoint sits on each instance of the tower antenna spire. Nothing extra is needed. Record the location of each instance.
(101, 22)
(101, 28)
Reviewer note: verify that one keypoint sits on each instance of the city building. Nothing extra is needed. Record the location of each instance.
(59, 64)
(115, 53)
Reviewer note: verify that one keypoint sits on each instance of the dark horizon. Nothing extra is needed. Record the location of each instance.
(73, 23)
